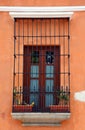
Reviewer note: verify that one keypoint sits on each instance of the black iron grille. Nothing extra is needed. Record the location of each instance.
(41, 81)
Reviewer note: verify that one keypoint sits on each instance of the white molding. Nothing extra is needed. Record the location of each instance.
(41, 12)
(41, 119)
(42, 9)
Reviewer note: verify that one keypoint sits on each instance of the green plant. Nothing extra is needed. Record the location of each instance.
(16, 96)
(34, 57)
(63, 97)
(14, 91)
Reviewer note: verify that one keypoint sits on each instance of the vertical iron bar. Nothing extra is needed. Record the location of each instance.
(18, 53)
(46, 35)
(27, 46)
(69, 56)
(41, 104)
(14, 60)
(23, 46)
(45, 55)
(32, 47)
(60, 53)
(35, 36)
(54, 87)
(14, 52)
(37, 73)
(27, 57)
(64, 52)
(50, 54)
(31, 83)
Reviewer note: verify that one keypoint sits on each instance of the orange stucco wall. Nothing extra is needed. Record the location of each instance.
(77, 62)
(41, 2)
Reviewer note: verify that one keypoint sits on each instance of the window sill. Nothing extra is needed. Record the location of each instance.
(41, 119)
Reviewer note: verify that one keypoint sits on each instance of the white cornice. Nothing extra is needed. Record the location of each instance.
(44, 9)
(40, 12)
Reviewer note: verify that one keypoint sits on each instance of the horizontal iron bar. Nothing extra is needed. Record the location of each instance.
(43, 36)
(41, 73)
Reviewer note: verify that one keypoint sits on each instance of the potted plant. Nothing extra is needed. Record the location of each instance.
(63, 104)
(18, 105)
(63, 97)
(23, 108)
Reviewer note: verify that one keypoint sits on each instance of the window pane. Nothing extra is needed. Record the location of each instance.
(34, 98)
(49, 57)
(35, 57)
(34, 71)
(48, 99)
(49, 85)
(49, 71)
(34, 85)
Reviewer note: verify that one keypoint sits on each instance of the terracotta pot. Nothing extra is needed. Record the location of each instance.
(59, 108)
(22, 108)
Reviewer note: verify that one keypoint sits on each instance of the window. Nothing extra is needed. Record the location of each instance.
(41, 76)
(41, 65)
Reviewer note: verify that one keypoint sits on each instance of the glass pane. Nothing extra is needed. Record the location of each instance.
(34, 98)
(48, 100)
(49, 85)
(34, 71)
(34, 85)
(35, 57)
(49, 71)
(49, 57)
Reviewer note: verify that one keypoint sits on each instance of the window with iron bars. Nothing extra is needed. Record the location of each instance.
(41, 80)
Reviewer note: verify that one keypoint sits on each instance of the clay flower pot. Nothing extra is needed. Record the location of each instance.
(59, 108)
(22, 108)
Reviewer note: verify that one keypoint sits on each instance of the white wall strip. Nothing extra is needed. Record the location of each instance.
(80, 96)
(42, 9)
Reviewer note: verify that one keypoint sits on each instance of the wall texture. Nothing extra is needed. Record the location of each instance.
(77, 50)
(41, 2)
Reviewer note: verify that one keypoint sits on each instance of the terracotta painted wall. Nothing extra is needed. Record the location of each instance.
(41, 2)
(77, 50)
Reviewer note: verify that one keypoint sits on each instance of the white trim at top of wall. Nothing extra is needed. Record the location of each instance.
(42, 9)
(41, 12)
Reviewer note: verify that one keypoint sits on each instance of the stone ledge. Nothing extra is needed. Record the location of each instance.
(41, 119)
